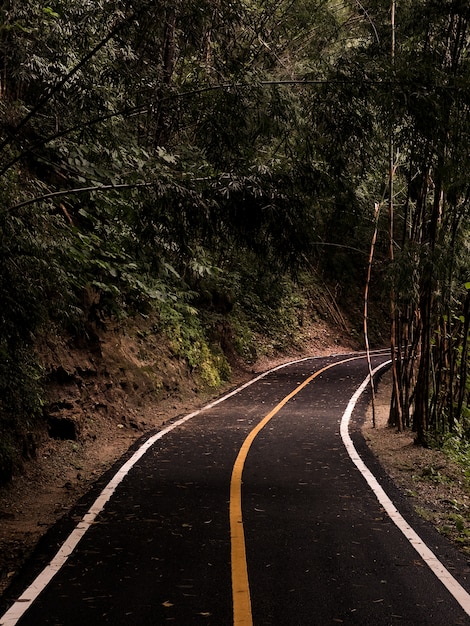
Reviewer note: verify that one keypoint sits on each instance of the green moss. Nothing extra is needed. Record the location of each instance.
(189, 341)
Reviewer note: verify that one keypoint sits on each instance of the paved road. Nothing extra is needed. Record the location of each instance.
(309, 545)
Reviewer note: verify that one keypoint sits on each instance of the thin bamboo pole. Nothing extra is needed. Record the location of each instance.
(366, 304)
(391, 212)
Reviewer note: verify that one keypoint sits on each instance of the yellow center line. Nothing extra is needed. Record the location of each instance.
(240, 585)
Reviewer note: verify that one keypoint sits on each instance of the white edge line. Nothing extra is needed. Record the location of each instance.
(452, 585)
(21, 605)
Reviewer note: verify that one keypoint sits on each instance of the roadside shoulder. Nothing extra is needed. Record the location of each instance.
(435, 484)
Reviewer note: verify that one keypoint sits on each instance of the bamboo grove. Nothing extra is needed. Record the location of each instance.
(199, 155)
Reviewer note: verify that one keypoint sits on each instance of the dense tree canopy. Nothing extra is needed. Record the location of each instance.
(184, 157)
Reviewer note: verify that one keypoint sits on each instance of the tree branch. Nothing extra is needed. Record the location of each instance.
(68, 192)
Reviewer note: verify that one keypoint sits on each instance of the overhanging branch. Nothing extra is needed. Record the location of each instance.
(76, 191)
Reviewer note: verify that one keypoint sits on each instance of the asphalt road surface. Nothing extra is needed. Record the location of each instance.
(252, 511)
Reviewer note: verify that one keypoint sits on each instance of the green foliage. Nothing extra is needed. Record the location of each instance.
(34, 291)
(457, 447)
(184, 328)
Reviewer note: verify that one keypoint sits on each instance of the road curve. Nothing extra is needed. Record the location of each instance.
(263, 495)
